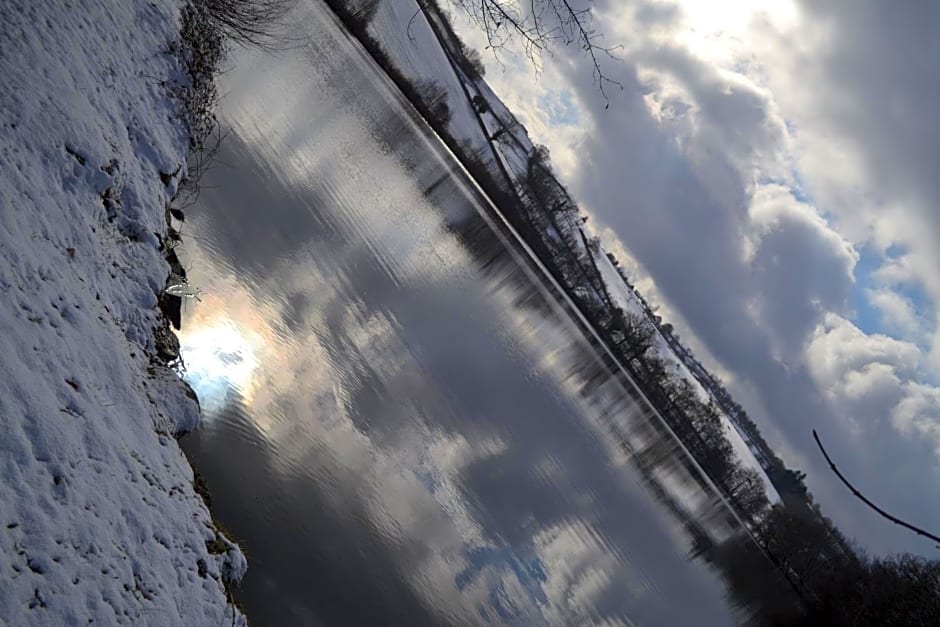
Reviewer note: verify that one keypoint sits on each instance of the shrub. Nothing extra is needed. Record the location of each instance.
(246, 22)
(207, 26)
(200, 49)
(434, 100)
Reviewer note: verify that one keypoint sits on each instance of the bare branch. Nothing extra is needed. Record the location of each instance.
(538, 26)
(411, 22)
(867, 502)
(247, 22)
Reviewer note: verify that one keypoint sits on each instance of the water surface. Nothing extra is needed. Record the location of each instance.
(402, 425)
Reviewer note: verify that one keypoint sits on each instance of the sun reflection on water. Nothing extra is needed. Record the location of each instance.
(223, 343)
(219, 360)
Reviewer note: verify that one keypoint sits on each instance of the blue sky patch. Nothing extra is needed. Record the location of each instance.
(867, 317)
(560, 108)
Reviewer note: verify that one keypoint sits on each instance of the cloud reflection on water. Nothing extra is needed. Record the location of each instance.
(422, 437)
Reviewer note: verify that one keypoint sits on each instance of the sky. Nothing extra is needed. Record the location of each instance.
(767, 175)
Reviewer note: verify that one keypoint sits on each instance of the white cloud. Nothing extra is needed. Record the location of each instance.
(579, 570)
(873, 380)
(897, 312)
(933, 356)
(838, 346)
(918, 415)
(858, 84)
(729, 115)
(895, 272)
(805, 266)
(864, 376)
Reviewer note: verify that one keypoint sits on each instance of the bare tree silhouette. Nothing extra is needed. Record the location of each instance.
(539, 26)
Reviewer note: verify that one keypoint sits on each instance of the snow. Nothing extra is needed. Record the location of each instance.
(627, 300)
(405, 35)
(98, 516)
(515, 152)
(418, 55)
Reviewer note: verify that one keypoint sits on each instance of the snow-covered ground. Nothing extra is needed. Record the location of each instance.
(515, 150)
(412, 46)
(415, 51)
(98, 516)
(630, 302)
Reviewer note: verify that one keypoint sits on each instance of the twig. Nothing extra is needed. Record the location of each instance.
(867, 502)
(411, 22)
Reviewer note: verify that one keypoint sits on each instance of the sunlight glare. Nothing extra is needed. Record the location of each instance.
(218, 359)
(719, 30)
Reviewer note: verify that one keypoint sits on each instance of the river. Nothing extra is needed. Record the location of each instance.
(403, 422)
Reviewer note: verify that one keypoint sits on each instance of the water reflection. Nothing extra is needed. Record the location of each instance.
(403, 426)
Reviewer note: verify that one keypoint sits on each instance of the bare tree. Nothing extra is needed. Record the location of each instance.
(362, 11)
(636, 335)
(434, 97)
(246, 22)
(747, 488)
(539, 26)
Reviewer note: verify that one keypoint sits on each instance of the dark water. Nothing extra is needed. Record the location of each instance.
(402, 424)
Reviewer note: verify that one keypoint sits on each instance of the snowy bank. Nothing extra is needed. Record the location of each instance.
(406, 36)
(98, 516)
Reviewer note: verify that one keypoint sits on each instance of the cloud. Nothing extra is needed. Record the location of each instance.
(873, 384)
(743, 169)
(897, 312)
(839, 347)
(862, 375)
(803, 266)
(730, 116)
(580, 569)
(918, 414)
(859, 85)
